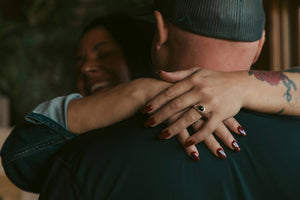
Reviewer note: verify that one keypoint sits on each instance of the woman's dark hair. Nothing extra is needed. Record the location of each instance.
(135, 38)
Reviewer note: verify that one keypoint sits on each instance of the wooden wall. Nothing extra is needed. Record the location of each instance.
(282, 45)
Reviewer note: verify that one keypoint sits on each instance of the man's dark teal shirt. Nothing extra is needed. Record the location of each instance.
(125, 161)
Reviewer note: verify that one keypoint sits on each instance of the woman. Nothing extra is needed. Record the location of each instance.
(112, 50)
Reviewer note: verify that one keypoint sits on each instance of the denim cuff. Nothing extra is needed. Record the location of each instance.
(27, 152)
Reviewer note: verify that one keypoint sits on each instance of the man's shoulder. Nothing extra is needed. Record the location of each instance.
(127, 133)
(127, 158)
(132, 123)
(256, 117)
(268, 115)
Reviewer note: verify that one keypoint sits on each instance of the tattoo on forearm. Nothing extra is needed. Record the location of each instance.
(279, 112)
(274, 78)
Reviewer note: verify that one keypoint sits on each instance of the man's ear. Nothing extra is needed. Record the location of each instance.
(260, 46)
(161, 35)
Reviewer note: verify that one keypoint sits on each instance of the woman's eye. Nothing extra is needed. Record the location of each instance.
(100, 56)
(106, 54)
(103, 55)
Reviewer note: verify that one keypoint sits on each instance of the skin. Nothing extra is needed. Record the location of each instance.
(165, 49)
(102, 69)
(215, 89)
(100, 62)
(103, 80)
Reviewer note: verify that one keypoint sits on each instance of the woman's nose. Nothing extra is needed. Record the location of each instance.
(90, 67)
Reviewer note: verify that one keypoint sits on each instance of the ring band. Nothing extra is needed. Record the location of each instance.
(199, 108)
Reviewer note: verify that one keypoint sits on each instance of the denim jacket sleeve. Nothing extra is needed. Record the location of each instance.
(29, 148)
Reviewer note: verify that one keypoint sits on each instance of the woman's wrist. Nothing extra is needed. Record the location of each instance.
(248, 92)
(148, 88)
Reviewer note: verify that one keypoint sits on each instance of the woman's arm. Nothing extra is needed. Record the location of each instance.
(223, 94)
(29, 148)
(121, 102)
(274, 92)
(107, 108)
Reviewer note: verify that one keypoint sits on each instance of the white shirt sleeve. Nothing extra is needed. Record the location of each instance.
(55, 109)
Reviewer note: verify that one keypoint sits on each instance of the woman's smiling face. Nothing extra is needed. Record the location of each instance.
(100, 62)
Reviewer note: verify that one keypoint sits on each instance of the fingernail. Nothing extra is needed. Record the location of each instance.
(189, 143)
(164, 135)
(150, 122)
(221, 153)
(235, 146)
(195, 156)
(147, 109)
(241, 131)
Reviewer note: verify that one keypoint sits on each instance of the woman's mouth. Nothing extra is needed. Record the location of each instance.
(100, 85)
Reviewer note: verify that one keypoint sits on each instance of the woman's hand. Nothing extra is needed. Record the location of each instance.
(218, 92)
(213, 145)
(191, 150)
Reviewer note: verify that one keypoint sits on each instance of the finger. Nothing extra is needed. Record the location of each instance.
(211, 143)
(176, 76)
(214, 146)
(191, 151)
(226, 137)
(166, 96)
(235, 126)
(208, 128)
(175, 117)
(187, 119)
(198, 124)
(181, 103)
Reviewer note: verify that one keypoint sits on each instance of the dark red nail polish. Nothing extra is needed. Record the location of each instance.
(189, 143)
(150, 122)
(195, 156)
(235, 146)
(221, 153)
(164, 135)
(147, 109)
(241, 131)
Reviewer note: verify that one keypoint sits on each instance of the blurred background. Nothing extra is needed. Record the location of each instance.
(38, 44)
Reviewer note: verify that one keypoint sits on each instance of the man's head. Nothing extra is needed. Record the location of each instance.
(221, 35)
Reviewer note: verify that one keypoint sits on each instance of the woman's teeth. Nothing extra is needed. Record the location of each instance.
(100, 85)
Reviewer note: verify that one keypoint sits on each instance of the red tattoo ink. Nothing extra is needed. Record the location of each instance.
(272, 78)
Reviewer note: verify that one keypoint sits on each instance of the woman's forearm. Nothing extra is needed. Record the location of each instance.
(273, 92)
(107, 108)
(223, 94)
(262, 91)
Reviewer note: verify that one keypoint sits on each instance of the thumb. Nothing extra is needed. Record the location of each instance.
(176, 76)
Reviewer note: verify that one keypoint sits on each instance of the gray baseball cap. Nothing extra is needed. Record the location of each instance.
(238, 20)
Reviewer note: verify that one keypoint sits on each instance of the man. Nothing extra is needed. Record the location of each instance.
(126, 163)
